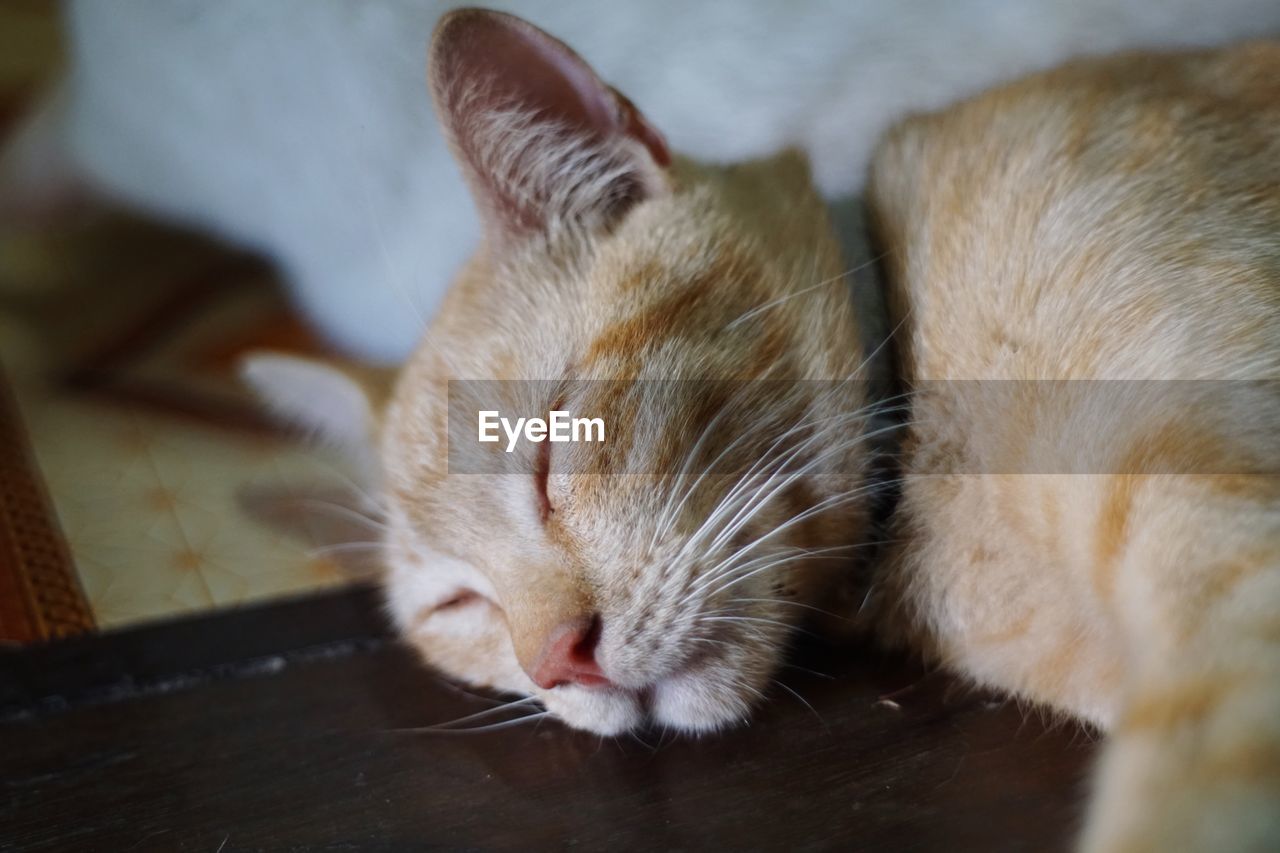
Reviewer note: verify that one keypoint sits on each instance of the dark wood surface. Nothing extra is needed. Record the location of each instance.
(281, 728)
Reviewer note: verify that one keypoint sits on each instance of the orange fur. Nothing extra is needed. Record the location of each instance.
(609, 301)
(1074, 529)
(1114, 219)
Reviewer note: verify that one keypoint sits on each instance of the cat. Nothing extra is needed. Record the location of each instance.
(605, 272)
(1073, 529)
(1095, 525)
(296, 128)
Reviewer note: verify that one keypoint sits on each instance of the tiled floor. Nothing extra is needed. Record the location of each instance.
(152, 509)
(120, 341)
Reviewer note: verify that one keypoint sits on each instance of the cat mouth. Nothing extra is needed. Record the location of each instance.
(704, 676)
(705, 693)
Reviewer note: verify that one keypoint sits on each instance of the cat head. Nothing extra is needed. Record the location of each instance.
(700, 313)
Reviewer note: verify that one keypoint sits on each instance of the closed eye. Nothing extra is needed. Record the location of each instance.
(541, 472)
(461, 598)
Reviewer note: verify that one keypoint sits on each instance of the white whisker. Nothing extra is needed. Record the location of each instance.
(516, 704)
(802, 701)
(343, 511)
(787, 602)
(766, 306)
(492, 727)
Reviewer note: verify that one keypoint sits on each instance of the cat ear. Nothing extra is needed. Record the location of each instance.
(341, 407)
(542, 140)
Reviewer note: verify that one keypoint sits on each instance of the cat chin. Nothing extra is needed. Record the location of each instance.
(696, 703)
(689, 703)
(601, 712)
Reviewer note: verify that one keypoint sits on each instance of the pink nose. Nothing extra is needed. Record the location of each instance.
(569, 656)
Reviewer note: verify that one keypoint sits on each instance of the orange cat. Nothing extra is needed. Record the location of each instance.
(660, 576)
(1107, 549)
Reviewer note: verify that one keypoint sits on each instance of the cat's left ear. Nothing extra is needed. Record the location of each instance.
(340, 406)
(541, 138)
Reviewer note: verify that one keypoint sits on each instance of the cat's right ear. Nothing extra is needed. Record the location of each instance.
(542, 140)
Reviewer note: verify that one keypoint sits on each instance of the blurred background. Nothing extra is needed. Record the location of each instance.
(140, 479)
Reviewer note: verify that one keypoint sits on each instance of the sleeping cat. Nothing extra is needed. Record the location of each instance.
(1073, 528)
(296, 127)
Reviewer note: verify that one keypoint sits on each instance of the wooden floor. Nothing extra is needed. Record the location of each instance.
(283, 728)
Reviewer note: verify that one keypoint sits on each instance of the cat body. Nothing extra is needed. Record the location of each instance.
(1084, 273)
(297, 127)
(1095, 525)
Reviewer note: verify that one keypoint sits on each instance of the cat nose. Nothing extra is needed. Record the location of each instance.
(569, 656)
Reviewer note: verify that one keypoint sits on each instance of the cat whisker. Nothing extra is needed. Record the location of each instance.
(773, 303)
(472, 730)
(728, 566)
(770, 460)
(343, 547)
(765, 459)
(832, 502)
(906, 314)
(871, 588)
(879, 408)
(470, 694)
(648, 746)
(669, 515)
(730, 502)
(753, 690)
(780, 481)
(789, 603)
(803, 702)
(369, 500)
(736, 580)
(516, 704)
(760, 309)
(755, 620)
(787, 555)
(714, 641)
(758, 503)
(344, 512)
(807, 671)
(671, 511)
